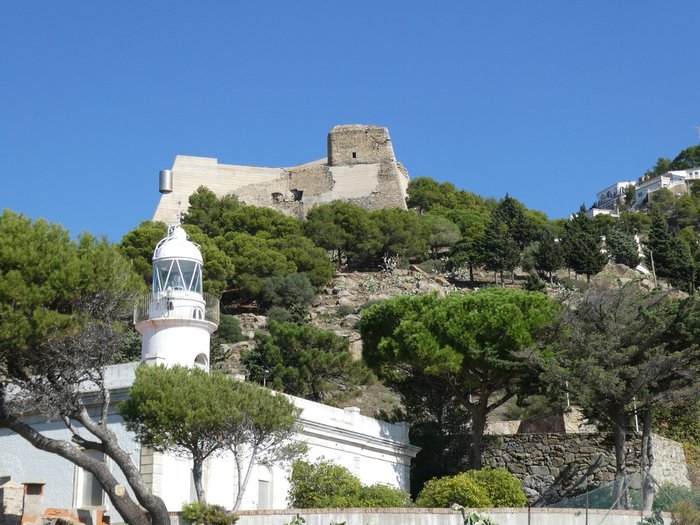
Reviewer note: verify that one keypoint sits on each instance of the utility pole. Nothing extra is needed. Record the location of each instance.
(653, 269)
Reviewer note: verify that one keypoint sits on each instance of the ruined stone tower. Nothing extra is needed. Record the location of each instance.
(360, 168)
(357, 144)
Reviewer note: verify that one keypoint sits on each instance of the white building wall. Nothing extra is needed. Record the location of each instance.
(26, 464)
(373, 450)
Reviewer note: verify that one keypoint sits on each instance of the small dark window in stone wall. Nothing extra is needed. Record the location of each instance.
(34, 489)
(277, 197)
(354, 154)
(297, 194)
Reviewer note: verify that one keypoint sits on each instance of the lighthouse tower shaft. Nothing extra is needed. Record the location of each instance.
(176, 319)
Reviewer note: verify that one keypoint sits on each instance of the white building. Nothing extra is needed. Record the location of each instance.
(175, 321)
(676, 181)
(612, 196)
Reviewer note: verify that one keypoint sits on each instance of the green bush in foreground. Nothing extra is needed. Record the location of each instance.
(475, 488)
(325, 485)
(669, 495)
(461, 489)
(204, 514)
(502, 487)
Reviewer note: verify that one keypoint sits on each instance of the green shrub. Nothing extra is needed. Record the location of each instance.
(502, 487)
(475, 488)
(325, 485)
(669, 495)
(533, 283)
(369, 303)
(322, 485)
(344, 309)
(199, 513)
(229, 330)
(279, 314)
(432, 266)
(685, 513)
(384, 496)
(287, 290)
(461, 489)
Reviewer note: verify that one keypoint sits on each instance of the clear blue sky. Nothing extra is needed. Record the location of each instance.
(549, 101)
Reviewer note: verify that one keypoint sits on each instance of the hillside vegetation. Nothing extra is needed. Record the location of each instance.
(261, 261)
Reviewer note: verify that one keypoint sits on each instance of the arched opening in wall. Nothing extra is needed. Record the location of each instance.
(201, 361)
(264, 487)
(297, 194)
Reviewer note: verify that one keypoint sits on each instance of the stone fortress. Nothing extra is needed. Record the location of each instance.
(361, 168)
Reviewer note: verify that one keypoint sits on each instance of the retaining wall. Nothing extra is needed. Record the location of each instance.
(420, 516)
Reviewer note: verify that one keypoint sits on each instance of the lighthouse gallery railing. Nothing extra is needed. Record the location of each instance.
(177, 304)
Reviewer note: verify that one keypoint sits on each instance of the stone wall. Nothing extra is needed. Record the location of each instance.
(11, 503)
(360, 168)
(555, 466)
(359, 144)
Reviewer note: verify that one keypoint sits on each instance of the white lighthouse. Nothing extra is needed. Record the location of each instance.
(176, 319)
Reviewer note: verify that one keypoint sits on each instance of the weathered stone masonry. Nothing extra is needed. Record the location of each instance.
(361, 168)
(555, 466)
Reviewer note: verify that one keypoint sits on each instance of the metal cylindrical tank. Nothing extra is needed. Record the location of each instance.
(166, 181)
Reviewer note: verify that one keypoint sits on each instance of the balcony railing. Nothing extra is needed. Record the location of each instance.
(176, 304)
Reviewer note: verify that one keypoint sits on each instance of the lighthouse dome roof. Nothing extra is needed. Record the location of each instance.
(177, 246)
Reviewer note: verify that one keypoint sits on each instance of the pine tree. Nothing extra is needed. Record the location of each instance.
(501, 252)
(671, 255)
(622, 248)
(512, 213)
(582, 245)
(549, 256)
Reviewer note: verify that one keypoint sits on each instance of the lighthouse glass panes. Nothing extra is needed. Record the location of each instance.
(177, 275)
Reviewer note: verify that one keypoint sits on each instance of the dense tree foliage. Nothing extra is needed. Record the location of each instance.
(582, 245)
(305, 361)
(549, 256)
(62, 310)
(345, 229)
(671, 255)
(426, 194)
(624, 344)
(288, 291)
(623, 248)
(442, 232)
(686, 159)
(401, 233)
(500, 249)
(197, 415)
(471, 346)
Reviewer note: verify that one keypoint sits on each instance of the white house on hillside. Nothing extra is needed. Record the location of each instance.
(176, 320)
(610, 197)
(676, 181)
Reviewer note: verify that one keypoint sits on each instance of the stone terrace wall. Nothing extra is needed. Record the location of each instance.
(554, 466)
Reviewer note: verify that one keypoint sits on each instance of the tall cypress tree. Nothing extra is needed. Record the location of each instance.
(501, 252)
(622, 248)
(671, 255)
(512, 212)
(582, 245)
(549, 256)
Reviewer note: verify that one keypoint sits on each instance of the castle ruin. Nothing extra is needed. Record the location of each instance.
(360, 168)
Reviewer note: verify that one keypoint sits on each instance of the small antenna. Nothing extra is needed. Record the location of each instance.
(698, 128)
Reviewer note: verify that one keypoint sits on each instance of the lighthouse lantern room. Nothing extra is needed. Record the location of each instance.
(176, 319)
